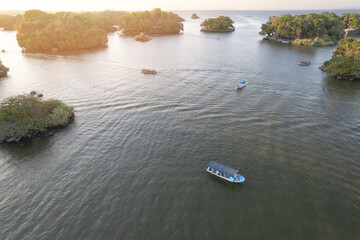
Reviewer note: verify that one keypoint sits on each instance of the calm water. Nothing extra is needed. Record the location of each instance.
(131, 166)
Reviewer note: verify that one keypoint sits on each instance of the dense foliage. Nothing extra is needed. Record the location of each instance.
(327, 26)
(345, 61)
(61, 31)
(154, 22)
(219, 24)
(351, 20)
(9, 22)
(142, 37)
(22, 114)
(3, 68)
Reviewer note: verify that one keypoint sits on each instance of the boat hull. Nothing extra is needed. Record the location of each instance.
(237, 179)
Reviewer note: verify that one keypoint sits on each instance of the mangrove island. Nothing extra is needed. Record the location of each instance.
(3, 70)
(311, 29)
(219, 24)
(28, 115)
(142, 37)
(150, 22)
(345, 61)
(41, 31)
(194, 16)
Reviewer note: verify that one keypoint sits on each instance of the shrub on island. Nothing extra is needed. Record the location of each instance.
(345, 61)
(219, 24)
(142, 37)
(322, 29)
(26, 115)
(3, 70)
(154, 22)
(59, 31)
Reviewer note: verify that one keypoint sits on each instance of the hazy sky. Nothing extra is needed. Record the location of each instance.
(77, 5)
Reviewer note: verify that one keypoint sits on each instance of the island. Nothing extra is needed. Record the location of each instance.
(41, 31)
(194, 16)
(150, 22)
(28, 115)
(312, 29)
(9, 22)
(3, 70)
(219, 24)
(345, 61)
(142, 37)
(352, 23)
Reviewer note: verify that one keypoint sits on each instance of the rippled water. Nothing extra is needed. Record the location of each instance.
(131, 165)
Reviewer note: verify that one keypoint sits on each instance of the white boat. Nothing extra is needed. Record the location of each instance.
(241, 85)
(224, 172)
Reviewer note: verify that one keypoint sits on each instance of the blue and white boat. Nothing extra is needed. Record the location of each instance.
(224, 172)
(240, 85)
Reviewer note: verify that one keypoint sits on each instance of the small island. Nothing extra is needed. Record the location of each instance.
(345, 61)
(142, 37)
(28, 115)
(3, 70)
(41, 31)
(219, 24)
(312, 29)
(9, 22)
(194, 16)
(150, 22)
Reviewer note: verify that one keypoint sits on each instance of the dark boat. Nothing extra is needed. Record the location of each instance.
(305, 63)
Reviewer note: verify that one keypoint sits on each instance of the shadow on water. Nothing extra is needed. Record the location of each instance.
(27, 149)
(339, 87)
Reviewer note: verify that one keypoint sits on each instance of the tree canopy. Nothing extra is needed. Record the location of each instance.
(9, 22)
(351, 20)
(345, 61)
(312, 25)
(150, 22)
(19, 115)
(65, 30)
(219, 24)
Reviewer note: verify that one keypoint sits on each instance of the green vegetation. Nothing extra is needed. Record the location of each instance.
(326, 27)
(64, 30)
(142, 37)
(316, 42)
(22, 115)
(154, 22)
(194, 16)
(9, 22)
(345, 62)
(3, 70)
(219, 24)
(351, 20)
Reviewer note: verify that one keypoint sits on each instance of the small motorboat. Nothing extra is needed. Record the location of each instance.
(224, 172)
(304, 63)
(240, 85)
(148, 71)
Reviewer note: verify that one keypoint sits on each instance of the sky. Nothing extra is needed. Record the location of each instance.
(133, 5)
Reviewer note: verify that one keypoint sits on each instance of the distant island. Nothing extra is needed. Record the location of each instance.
(41, 31)
(142, 37)
(219, 24)
(3, 70)
(28, 115)
(9, 22)
(345, 61)
(194, 16)
(311, 29)
(150, 22)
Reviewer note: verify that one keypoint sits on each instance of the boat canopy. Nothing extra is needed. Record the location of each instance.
(222, 168)
(242, 82)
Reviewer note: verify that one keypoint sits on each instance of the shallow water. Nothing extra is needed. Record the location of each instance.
(132, 164)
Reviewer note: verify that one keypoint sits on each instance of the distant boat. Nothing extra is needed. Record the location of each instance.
(224, 172)
(304, 63)
(148, 71)
(240, 85)
(3, 50)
